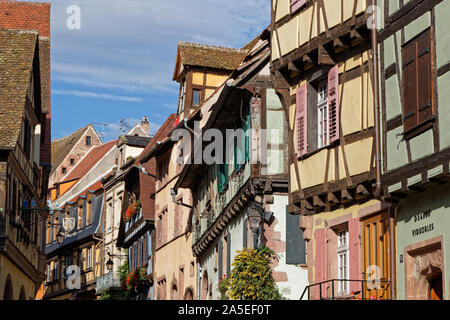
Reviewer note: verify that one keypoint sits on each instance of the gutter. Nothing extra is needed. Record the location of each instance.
(378, 161)
(376, 102)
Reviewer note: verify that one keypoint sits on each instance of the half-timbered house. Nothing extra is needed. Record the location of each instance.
(23, 181)
(252, 177)
(322, 62)
(414, 80)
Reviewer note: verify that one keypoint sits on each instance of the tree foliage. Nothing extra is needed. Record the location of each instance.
(251, 277)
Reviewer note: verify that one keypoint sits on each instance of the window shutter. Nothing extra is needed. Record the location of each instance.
(220, 249)
(409, 86)
(247, 138)
(297, 4)
(333, 104)
(301, 120)
(228, 254)
(424, 80)
(321, 261)
(355, 254)
(295, 244)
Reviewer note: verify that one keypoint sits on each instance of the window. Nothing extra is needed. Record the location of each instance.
(222, 177)
(80, 217)
(343, 255)
(48, 273)
(242, 149)
(196, 97)
(322, 115)
(418, 108)
(317, 112)
(88, 140)
(72, 161)
(89, 258)
(63, 170)
(181, 101)
(88, 213)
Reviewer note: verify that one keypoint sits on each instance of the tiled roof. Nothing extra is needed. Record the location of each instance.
(200, 55)
(90, 160)
(135, 141)
(25, 16)
(17, 51)
(92, 188)
(61, 147)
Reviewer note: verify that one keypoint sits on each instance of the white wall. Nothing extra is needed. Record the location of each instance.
(297, 276)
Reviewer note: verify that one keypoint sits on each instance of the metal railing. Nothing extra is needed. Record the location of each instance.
(109, 280)
(378, 285)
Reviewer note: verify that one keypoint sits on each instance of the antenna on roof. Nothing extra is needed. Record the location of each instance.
(101, 133)
(124, 126)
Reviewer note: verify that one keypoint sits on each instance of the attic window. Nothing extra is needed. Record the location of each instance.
(63, 170)
(72, 162)
(88, 140)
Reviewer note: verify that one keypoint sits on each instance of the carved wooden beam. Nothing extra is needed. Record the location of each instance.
(318, 203)
(362, 191)
(346, 196)
(324, 56)
(332, 199)
(307, 205)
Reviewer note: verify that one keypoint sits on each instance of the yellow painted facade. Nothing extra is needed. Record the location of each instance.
(214, 80)
(356, 109)
(18, 280)
(175, 254)
(305, 26)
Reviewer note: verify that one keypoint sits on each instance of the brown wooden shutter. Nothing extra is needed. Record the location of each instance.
(333, 104)
(409, 86)
(424, 77)
(417, 81)
(301, 120)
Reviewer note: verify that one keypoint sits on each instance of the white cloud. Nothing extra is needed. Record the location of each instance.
(95, 95)
(131, 45)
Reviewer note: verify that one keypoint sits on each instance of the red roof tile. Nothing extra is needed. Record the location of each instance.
(90, 160)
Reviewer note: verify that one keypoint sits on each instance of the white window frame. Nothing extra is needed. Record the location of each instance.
(323, 134)
(181, 102)
(343, 269)
(89, 258)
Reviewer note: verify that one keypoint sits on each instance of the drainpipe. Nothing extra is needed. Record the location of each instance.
(376, 102)
(378, 163)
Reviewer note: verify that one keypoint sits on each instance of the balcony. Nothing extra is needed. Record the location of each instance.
(107, 281)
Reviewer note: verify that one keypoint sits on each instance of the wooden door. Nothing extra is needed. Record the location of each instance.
(375, 239)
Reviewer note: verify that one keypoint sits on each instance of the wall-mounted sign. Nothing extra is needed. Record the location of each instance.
(425, 228)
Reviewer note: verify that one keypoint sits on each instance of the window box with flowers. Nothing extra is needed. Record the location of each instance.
(137, 281)
(133, 209)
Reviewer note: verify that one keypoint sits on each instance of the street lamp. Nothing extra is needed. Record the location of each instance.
(60, 237)
(109, 265)
(254, 219)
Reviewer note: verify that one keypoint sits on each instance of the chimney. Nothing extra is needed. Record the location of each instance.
(146, 125)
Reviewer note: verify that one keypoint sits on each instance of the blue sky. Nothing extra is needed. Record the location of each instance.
(119, 64)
